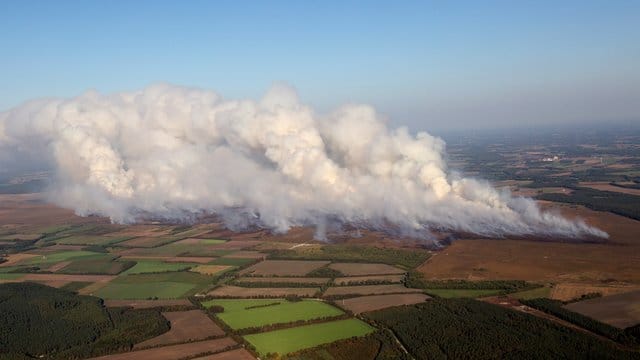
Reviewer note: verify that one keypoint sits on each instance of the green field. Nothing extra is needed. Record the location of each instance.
(5, 276)
(105, 265)
(64, 256)
(170, 285)
(541, 292)
(232, 261)
(212, 241)
(92, 240)
(237, 316)
(461, 293)
(150, 266)
(308, 336)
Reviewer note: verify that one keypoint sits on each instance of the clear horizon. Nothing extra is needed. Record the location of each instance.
(429, 65)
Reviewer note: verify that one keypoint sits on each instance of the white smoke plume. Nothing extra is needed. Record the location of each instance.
(173, 151)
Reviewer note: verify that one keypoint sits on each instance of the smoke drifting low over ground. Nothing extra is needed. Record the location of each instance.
(173, 152)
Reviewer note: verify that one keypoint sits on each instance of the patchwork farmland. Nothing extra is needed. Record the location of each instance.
(227, 296)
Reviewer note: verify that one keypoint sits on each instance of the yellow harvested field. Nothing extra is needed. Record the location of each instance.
(569, 291)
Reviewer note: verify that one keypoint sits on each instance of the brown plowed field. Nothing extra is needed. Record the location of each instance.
(622, 310)
(480, 259)
(239, 292)
(237, 354)
(361, 269)
(185, 326)
(145, 304)
(13, 259)
(605, 186)
(282, 279)
(362, 304)
(174, 352)
(368, 290)
(362, 279)
(283, 267)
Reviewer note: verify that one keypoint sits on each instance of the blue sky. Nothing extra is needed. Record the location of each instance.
(426, 64)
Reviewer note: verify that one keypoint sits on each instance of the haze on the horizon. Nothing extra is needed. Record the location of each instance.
(428, 65)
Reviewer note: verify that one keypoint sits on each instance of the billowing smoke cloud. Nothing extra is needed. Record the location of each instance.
(173, 151)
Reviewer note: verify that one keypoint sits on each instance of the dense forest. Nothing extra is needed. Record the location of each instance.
(416, 280)
(617, 203)
(555, 307)
(377, 346)
(470, 329)
(41, 321)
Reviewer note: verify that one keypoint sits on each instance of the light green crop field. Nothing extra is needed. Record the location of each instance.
(170, 285)
(308, 336)
(10, 276)
(212, 241)
(105, 265)
(160, 289)
(65, 256)
(151, 266)
(541, 292)
(461, 293)
(92, 240)
(232, 261)
(237, 316)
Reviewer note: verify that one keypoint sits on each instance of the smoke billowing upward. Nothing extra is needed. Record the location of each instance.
(173, 151)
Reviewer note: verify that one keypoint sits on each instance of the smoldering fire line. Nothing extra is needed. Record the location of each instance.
(171, 151)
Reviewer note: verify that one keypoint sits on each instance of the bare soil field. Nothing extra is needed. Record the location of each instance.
(617, 259)
(237, 354)
(174, 352)
(570, 291)
(284, 279)
(13, 259)
(368, 290)
(362, 279)
(146, 304)
(283, 267)
(605, 186)
(240, 292)
(362, 304)
(185, 326)
(210, 269)
(622, 310)
(25, 212)
(360, 269)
